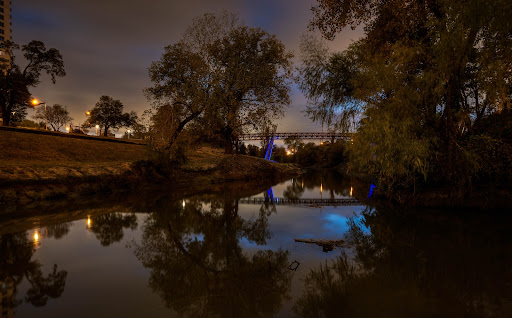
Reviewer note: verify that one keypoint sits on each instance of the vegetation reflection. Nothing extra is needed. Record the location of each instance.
(198, 266)
(16, 263)
(415, 265)
(108, 228)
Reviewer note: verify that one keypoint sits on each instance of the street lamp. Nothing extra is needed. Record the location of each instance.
(129, 133)
(35, 103)
(97, 127)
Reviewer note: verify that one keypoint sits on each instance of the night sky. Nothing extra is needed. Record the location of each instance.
(107, 45)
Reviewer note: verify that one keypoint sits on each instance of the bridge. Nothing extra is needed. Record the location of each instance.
(296, 135)
(271, 137)
(315, 202)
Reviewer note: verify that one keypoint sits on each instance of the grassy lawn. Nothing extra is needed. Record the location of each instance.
(31, 156)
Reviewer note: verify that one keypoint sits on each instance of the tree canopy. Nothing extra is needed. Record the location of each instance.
(422, 77)
(57, 116)
(222, 76)
(108, 113)
(15, 81)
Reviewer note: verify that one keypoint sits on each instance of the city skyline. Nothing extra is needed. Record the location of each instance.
(107, 47)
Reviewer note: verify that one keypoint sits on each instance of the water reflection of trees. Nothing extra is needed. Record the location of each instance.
(199, 268)
(16, 263)
(333, 183)
(108, 228)
(416, 265)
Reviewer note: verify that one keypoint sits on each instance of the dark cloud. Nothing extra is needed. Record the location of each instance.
(108, 45)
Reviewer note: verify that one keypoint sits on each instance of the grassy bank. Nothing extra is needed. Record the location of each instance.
(37, 167)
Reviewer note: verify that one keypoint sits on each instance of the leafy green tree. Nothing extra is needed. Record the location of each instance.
(225, 77)
(57, 116)
(108, 113)
(424, 74)
(182, 80)
(15, 82)
(253, 72)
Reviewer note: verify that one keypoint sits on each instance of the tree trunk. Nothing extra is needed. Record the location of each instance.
(6, 118)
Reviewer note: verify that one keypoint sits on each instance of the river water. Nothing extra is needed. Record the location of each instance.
(221, 255)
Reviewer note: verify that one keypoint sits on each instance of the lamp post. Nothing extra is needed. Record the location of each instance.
(35, 103)
(129, 131)
(97, 127)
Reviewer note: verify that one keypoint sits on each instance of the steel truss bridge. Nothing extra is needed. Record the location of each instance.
(314, 202)
(275, 135)
(296, 135)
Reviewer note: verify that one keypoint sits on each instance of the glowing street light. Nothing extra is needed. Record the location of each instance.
(67, 129)
(97, 127)
(88, 221)
(129, 131)
(35, 103)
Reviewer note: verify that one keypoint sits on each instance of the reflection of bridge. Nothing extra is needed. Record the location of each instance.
(316, 202)
(296, 135)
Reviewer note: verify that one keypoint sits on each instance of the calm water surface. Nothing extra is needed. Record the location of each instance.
(216, 256)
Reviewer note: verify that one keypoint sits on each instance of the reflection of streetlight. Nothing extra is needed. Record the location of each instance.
(36, 237)
(88, 222)
(350, 191)
(35, 103)
(97, 127)
(183, 204)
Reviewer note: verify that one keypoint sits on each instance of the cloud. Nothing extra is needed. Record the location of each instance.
(108, 45)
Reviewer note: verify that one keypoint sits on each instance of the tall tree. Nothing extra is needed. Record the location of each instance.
(15, 82)
(227, 76)
(56, 115)
(108, 113)
(182, 80)
(423, 75)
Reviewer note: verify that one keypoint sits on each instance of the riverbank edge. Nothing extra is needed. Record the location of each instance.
(483, 196)
(145, 175)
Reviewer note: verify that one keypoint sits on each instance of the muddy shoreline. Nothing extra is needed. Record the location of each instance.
(144, 176)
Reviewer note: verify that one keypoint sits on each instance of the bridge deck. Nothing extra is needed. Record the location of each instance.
(299, 135)
(318, 202)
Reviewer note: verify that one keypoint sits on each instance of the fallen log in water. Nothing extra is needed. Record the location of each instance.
(327, 245)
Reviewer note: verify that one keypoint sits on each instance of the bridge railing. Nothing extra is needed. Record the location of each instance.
(298, 135)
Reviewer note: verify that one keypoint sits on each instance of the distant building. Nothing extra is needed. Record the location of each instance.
(5, 25)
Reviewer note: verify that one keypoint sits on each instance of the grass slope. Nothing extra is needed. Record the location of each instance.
(29, 156)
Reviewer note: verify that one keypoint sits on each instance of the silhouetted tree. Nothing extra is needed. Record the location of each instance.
(15, 82)
(108, 113)
(229, 77)
(57, 116)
